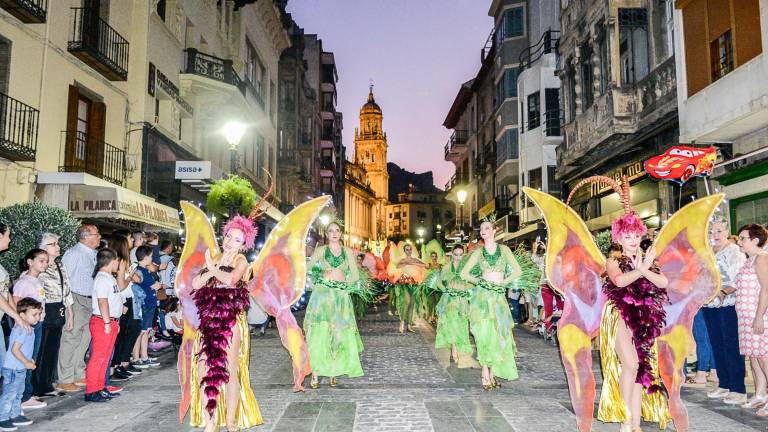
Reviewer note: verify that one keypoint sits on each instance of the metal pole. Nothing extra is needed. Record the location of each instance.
(233, 160)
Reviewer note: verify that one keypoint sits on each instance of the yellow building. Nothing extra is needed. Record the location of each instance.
(114, 109)
(366, 179)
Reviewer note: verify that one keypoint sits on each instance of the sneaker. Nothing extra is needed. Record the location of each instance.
(118, 377)
(151, 358)
(123, 371)
(114, 389)
(158, 345)
(95, 397)
(7, 425)
(131, 369)
(152, 363)
(21, 421)
(33, 404)
(107, 395)
(735, 398)
(718, 393)
(67, 387)
(140, 364)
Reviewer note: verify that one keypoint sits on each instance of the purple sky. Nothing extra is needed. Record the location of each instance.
(417, 52)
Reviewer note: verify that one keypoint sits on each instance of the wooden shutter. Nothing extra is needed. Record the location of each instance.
(95, 152)
(71, 132)
(718, 18)
(748, 37)
(696, 46)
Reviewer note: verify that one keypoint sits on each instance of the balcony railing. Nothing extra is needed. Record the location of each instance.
(98, 45)
(93, 156)
(27, 11)
(458, 138)
(548, 43)
(18, 129)
(552, 122)
(218, 69)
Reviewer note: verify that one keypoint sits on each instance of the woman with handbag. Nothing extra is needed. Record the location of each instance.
(58, 316)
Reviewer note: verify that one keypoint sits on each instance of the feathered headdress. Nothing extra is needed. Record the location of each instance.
(629, 222)
(247, 225)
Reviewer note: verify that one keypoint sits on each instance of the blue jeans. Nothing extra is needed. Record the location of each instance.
(13, 388)
(38, 330)
(723, 329)
(704, 356)
(2, 347)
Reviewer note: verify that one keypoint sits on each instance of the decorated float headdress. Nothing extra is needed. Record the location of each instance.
(629, 222)
(247, 225)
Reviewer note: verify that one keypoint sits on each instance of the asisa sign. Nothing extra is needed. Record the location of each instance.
(680, 163)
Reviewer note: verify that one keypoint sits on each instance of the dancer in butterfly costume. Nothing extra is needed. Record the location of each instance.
(643, 311)
(213, 286)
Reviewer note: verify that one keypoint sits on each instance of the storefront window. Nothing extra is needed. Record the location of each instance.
(750, 209)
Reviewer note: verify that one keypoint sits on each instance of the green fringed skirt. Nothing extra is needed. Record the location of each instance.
(453, 323)
(490, 321)
(333, 341)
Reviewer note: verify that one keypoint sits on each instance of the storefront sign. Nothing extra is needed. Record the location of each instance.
(632, 172)
(193, 170)
(157, 77)
(119, 203)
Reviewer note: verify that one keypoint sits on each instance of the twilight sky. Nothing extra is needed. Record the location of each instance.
(417, 52)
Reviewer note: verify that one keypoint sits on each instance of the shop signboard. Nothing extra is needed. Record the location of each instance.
(192, 170)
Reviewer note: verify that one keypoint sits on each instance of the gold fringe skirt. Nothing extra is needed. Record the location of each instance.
(612, 408)
(248, 413)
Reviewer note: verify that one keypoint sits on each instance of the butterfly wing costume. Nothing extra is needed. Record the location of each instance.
(575, 268)
(277, 281)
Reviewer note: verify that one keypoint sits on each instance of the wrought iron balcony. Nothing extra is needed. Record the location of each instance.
(547, 44)
(18, 129)
(27, 11)
(456, 143)
(98, 45)
(218, 69)
(93, 156)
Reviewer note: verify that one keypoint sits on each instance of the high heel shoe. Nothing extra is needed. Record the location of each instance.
(314, 383)
(333, 382)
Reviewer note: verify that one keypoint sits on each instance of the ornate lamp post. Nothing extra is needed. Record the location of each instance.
(233, 131)
(461, 195)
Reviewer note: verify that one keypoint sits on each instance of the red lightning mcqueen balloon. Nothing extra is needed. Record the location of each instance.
(680, 163)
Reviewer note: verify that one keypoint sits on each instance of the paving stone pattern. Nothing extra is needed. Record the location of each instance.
(407, 386)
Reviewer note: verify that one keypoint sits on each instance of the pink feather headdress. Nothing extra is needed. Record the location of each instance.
(629, 222)
(247, 227)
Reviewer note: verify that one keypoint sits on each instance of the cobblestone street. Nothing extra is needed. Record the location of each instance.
(408, 386)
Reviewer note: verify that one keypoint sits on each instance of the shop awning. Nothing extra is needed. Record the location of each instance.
(89, 197)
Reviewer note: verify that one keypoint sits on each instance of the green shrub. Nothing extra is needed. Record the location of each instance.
(232, 191)
(604, 241)
(29, 220)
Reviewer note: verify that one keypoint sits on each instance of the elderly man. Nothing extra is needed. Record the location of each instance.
(80, 261)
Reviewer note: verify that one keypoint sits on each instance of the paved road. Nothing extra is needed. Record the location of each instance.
(408, 386)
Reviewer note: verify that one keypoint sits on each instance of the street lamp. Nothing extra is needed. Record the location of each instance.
(461, 195)
(233, 132)
(420, 231)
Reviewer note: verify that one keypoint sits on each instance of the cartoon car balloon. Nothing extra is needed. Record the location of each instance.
(680, 163)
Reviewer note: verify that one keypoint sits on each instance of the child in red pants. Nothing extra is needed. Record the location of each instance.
(107, 308)
(548, 295)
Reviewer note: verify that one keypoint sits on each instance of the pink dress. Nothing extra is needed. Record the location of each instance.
(747, 295)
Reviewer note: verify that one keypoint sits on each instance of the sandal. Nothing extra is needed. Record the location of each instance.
(691, 382)
(762, 412)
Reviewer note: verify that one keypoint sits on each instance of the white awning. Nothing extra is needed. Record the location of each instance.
(89, 197)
